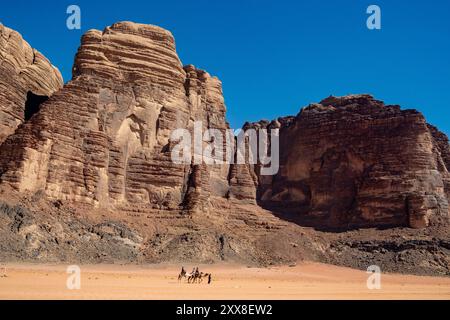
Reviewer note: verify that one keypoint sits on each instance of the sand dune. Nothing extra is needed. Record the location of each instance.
(305, 281)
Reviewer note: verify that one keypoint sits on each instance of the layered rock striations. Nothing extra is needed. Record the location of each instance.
(26, 79)
(354, 162)
(105, 138)
(86, 172)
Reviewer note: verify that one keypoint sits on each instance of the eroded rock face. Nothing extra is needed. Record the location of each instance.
(355, 162)
(26, 78)
(104, 138)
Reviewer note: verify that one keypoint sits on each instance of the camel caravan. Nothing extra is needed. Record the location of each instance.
(195, 276)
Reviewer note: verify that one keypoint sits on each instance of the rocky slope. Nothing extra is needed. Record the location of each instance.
(89, 176)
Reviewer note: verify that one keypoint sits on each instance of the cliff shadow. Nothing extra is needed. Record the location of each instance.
(323, 221)
(33, 104)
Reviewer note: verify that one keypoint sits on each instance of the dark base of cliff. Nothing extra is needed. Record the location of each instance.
(33, 229)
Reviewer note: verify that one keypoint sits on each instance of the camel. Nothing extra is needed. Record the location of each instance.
(205, 275)
(184, 274)
(194, 276)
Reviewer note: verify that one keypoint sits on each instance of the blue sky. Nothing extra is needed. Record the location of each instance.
(276, 56)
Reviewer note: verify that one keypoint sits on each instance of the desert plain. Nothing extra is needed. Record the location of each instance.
(159, 282)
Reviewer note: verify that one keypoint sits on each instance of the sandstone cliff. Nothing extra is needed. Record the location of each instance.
(26, 78)
(87, 174)
(354, 162)
(104, 138)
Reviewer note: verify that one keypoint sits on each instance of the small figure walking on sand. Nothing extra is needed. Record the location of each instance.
(3, 272)
(209, 278)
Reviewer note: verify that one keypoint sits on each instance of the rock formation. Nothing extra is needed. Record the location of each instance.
(86, 170)
(354, 162)
(26, 79)
(105, 139)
